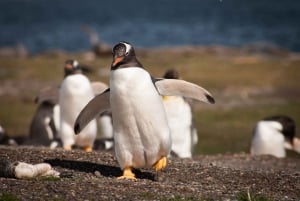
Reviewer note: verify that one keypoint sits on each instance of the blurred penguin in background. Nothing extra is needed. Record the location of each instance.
(105, 141)
(181, 122)
(2, 133)
(45, 122)
(75, 92)
(5, 139)
(274, 134)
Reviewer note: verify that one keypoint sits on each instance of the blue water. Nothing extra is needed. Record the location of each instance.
(55, 24)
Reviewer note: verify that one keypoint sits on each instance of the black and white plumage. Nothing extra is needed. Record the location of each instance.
(75, 92)
(141, 133)
(2, 133)
(272, 135)
(181, 121)
(44, 124)
(5, 139)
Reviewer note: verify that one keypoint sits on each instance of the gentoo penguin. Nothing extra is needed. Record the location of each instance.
(44, 124)
(2, 133)
(142, 136)
(273, 135)
(21, 170)
(180, 119)
(5, 139)
(75, 92)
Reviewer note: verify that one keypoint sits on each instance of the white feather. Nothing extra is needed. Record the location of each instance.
(75, 93)
(141, 132)
(179, 117)
(268, 139)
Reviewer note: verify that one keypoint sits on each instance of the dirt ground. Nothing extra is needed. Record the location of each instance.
(92, 176)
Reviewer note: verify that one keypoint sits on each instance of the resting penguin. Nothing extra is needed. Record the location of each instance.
(142, 136)
(75, 92)
(180, 119)
(273, 135)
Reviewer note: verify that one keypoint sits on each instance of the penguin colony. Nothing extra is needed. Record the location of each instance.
(144, 118)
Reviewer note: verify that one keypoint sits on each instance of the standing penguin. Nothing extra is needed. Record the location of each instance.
(273, 135)
(75, 92)
(142, 136)
(180, 119)
(44, 124)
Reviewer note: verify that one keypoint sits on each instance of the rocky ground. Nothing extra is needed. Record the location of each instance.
(92, 176)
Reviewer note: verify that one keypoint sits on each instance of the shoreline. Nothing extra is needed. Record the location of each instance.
(20, 50)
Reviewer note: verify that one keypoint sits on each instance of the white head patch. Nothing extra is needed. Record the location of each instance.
(128, 47)
(75, 63)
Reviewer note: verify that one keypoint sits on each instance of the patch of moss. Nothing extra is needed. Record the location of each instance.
(8, 197)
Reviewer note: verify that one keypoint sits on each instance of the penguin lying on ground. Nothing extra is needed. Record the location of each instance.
(21, 170)
(180, 120)
(142, 136)
(75, 92)
(273, 135)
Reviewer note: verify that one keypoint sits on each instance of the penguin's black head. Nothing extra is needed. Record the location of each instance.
(288, 126)
(124, 56)
(72, 67)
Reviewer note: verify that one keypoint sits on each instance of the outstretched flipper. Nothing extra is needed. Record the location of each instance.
(96, 106)
(175, 87)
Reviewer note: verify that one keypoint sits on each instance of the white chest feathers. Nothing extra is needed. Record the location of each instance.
(75, 93)
(140, 126)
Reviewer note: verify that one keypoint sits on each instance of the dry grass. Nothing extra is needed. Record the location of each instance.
(247, 87)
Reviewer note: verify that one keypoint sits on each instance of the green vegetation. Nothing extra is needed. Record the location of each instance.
(247, 87)
(243, 196)
(8, 197)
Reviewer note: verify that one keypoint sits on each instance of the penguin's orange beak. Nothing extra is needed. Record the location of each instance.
(117, 60)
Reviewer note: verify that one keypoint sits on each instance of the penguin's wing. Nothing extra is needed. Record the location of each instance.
(175, 87)
(96, 106)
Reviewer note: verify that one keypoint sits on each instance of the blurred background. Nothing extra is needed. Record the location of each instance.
(245, 52)
(44, 24)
